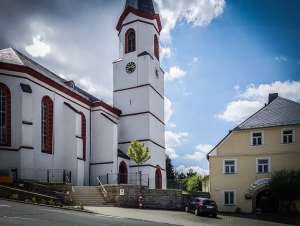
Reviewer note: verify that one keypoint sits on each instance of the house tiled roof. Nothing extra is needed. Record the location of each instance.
(145, 6)
(12, 56)
(280, 112)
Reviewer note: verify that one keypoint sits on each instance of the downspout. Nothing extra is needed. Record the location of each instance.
(53, 132)
(90, 145)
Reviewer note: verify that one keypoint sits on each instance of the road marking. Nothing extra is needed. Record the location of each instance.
(60, 211)
(5, 206)
(108, 216)
(21, 218)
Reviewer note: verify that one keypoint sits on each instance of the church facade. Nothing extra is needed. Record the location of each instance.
(49, 127)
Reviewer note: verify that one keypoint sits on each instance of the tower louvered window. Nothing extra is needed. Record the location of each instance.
(130, 44)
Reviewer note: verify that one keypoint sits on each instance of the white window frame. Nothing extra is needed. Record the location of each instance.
(293, 135)
(262, 138)
(224, 166)
(269, 164)
(224, 192)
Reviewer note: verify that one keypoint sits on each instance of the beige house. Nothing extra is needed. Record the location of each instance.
(242, 164)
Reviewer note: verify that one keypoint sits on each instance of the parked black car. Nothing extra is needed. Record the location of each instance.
(200, 205)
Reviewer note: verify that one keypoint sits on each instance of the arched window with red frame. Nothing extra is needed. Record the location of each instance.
(123, 175)
(156, 47)
(5, 115)
(130, 39)
(47, 125)
(158, 179)
(83, 135)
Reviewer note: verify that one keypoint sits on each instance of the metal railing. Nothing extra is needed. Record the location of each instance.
(124, 178)
(32, 188)
(31, 174)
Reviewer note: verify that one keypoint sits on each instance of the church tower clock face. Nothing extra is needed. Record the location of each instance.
(130, 67)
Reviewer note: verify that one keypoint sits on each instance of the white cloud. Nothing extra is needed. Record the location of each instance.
(174, 73)
(256, 97)
(195, 12)
(236, 111)
(39, 48)
(173, 140)
(280, 58)
(172, 125)
(198, 169)
(236, 87)
(195, 59)
(168, 110)
(203, 150)
(165, 52)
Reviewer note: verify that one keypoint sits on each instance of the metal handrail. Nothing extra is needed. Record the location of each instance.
(101, 185)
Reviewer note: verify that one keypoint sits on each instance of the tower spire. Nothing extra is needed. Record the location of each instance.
(145, 6)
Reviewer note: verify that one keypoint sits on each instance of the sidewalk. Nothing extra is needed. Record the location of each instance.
(189, 219)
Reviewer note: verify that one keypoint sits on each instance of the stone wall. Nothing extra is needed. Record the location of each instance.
(152, 198)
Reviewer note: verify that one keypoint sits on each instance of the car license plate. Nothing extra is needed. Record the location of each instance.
(209, 207)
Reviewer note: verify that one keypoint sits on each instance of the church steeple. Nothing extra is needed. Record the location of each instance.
(142, 8)
(145, 6)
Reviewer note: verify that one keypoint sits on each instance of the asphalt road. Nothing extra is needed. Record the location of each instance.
(14, 213)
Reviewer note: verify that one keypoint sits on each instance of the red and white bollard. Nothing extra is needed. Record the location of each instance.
(140, 202)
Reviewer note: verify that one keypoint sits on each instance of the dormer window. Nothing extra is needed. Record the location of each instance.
(72, 85)
(130, 41)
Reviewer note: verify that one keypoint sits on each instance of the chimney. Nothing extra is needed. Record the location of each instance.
(272, 96)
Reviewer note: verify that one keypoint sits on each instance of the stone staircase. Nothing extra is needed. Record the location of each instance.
(87, 196)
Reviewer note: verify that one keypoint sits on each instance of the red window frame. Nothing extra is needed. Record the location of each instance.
(7, 93)
(48, 146)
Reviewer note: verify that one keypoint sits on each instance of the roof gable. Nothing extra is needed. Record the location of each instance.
(280, 112)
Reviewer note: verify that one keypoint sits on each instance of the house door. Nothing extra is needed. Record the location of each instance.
(267, 202)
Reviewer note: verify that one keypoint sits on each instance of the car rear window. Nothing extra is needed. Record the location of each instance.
(210, 202)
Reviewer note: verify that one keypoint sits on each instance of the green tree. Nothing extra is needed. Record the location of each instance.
(139, 153)
(195, 183)
(285, 186)
(191, 173)
(171, 177)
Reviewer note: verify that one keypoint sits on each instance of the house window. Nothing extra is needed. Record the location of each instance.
(263, 165)
(156, 47)
(287, 136)
(46, 125)
(228, 198)
(256, 138)
(130, 41)
(229, 166)
(5, 115)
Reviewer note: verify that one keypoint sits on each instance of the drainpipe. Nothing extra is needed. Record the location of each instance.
(90, 146)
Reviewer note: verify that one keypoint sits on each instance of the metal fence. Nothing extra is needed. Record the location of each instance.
(47, 175)
(125, 178)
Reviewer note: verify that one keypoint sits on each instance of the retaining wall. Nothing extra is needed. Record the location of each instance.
(152, 198)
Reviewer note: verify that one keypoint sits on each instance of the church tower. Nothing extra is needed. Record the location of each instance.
(138, 87)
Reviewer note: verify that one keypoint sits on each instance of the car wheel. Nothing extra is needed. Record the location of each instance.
(187, 209)
(196, 212)
(214, 215)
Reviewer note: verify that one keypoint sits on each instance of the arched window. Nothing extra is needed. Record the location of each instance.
(83, 135)
(130, 41)
(158, 179)
(47, 125)
(5, 115)
(156, 47)
(123, 173)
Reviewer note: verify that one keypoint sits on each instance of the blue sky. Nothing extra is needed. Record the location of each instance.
(221, 58)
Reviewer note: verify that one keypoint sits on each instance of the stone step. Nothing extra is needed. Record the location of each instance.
(87, 196)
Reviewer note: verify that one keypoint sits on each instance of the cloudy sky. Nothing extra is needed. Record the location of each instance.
(221, 58)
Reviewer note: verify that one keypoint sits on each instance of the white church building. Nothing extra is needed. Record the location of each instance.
(51, 129)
